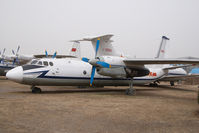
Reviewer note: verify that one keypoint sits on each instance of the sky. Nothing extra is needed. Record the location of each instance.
(137, 25)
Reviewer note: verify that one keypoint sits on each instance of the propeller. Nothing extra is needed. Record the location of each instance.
(54, 55)
(46, 53)
(94, 67)
(95, 62)
(16, 56)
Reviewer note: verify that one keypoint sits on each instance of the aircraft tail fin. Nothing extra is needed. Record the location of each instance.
(105, 46)
(75, 50)
(161, 51)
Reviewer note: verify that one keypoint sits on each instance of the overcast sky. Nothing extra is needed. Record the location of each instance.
(137, 25)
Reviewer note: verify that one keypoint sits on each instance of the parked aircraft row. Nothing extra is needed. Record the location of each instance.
(106, 68)
(8, 62)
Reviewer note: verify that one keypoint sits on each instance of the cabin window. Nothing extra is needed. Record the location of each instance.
(51, 64)
(45, 63)
(33, 62)
(39, 63)
(84, 72)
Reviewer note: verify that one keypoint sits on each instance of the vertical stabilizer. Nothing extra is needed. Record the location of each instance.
(75, 50)
(161, 51)
(105, 45)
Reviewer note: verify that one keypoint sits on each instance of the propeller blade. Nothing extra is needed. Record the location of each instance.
(17, 50)
(3, 51)
(54, 55)
(46, 53)
(103, 64)
(13, 52)
(92, 75)
(85, 59)
(97, 46)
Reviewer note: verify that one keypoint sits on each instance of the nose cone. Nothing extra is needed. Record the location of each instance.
(15, 74)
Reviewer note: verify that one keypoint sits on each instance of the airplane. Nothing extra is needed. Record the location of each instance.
(107, 68)
(2, 56)
(4, 66)
(9, 62)
(173, 75)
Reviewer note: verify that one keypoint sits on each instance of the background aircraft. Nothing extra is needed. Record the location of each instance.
(173, 75)
(107, 68)
(11, 61)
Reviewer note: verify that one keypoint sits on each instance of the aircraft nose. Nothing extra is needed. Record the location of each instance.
(15, 74)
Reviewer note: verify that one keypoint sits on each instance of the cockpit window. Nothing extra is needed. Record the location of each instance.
(51, 64)
(45, 63)
(39, 63)
(33, 62)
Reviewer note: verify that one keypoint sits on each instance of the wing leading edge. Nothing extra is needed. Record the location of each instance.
(134, 62)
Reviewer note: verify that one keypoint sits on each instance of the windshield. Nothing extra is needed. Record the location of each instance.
(33, 62)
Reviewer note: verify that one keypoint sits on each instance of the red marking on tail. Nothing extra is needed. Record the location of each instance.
(108, 50)
(73, 49)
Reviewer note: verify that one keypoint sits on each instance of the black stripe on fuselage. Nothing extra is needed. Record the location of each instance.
(28, 67)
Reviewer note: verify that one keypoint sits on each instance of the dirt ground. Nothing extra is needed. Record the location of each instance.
(162, 109)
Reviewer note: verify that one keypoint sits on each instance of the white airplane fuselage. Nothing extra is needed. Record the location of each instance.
(72, 72)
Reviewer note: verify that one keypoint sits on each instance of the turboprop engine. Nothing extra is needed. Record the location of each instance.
(112, 72)
(113, 66)
(120, 70)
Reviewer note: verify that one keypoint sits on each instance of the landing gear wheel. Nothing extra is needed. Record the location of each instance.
(172, 83)
(36, 90)
(130, 92)
(153, 85)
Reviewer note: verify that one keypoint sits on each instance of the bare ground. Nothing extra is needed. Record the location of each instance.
(103, 110)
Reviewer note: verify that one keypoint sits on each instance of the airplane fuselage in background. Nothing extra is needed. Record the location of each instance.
(4, 68)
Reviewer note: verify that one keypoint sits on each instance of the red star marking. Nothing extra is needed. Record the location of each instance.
(108, 50)
(73, 49)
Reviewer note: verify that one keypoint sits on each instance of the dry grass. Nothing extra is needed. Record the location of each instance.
(70, 110)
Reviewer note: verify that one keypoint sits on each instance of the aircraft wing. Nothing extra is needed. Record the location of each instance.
(57, 56)
(175, 67)
(135, 62)
(178, 77)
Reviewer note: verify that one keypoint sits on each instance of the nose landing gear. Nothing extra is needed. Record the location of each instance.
(35, 89)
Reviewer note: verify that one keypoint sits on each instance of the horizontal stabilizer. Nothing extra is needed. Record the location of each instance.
(164, 37)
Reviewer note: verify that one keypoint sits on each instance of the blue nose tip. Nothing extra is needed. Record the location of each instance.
(15, 74)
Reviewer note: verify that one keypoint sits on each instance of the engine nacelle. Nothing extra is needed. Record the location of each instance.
(118, 68)
(112, 72)
(137, 72)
